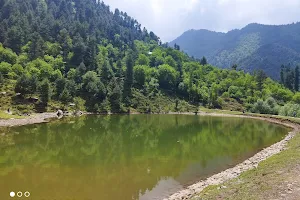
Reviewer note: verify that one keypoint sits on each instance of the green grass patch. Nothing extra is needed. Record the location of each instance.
(4, 115)
(291, 119)
(218, 111)
(268, 181)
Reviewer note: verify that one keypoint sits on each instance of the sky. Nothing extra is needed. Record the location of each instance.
(170, 18)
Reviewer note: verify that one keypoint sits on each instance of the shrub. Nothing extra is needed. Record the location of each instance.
(292, 110)
(269, 106)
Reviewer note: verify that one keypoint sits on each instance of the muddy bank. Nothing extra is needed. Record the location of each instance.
(248, 164)
(34, 119)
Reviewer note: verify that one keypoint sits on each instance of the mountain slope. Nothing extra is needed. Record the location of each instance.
(79, 55)
(256, 46)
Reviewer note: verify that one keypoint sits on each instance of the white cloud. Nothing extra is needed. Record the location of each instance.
(170, 18)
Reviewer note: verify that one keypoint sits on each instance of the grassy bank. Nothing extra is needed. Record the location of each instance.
(275, 178)
(219, 111)
(4, 115)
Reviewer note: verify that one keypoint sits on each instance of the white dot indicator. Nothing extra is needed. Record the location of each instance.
(27, 194)
(12, 194)
(19, 194)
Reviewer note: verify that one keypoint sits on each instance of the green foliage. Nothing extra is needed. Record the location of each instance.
(140, 74)
(26, 84)
(167, 76)
(18, 69)
(45, 91)
(5, 68)
(266, 107)
(170, 61)
(297, 76)
(115, 97)
(296, 98)
(203, 61)
(143, 60)
(1, 78)
(290, 77)
(79, 104)
(292, 110)
(65, 96)
(119, 67)
(92, 88)
(7, 55)
(128, 81)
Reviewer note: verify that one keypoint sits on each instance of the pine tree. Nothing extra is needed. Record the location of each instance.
(45, 91)
(128, 79)
(203, 61)
(36, 48)
(260, 78)
(297, 78)
(106, 72)
(282, 74)
(290, 78)
(14, 39)
(115, 96)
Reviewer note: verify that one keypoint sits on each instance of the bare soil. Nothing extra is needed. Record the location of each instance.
(34, 119)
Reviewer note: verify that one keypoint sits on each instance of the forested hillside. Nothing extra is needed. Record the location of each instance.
(78, 55)
(254, 47)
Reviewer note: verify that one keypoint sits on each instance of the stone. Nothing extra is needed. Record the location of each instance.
(60, 113)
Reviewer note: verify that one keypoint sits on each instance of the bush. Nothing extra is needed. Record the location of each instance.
(269, 106)
(296, 98)
(225, 95)
(5, 68)
(79, 104)
(292, 110)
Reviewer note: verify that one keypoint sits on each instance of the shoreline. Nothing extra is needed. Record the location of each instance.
(34, 119)
(216, 179)
(250, 163)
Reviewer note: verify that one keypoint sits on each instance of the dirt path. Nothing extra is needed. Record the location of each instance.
(249, 164)
(34, 119)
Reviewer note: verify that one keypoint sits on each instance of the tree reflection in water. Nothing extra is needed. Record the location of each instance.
(125, 157)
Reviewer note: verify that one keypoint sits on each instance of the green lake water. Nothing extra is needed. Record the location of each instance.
(136, 157)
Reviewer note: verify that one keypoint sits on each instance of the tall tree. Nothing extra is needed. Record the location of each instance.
(14, 39)
(91, 54)
(128, 79)
(115, 96)
(203, 61)
(260, 78)
(106, 72)
(290, 78)
(297, 78)
(36, 48)
(282, 74)
(79, 49)
(45, 91)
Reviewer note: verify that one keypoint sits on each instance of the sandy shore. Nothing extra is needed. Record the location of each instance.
(248, 164)
(34, 119)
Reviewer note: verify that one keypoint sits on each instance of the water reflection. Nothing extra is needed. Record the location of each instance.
(125, 157)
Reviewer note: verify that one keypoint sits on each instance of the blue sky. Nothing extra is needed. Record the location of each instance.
(170, 18)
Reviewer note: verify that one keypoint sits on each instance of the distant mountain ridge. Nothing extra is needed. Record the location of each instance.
(253, 47)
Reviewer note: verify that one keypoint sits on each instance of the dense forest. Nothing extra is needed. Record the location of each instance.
(254, 47)
(79, 55)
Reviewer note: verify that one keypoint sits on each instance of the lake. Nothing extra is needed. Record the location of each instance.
(130, 157)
